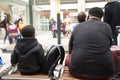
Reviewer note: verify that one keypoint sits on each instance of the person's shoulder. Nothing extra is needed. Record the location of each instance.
(113, 3)
(110, 3)
(117, 3)
(105, 24)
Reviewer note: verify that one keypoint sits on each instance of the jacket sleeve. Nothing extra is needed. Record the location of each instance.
(14, 58)
(40, 55)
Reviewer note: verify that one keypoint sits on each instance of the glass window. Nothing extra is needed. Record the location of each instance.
(68, 1)
(42, 2)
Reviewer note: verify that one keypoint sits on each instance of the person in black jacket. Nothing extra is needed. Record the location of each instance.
(28, 53)
(89, 46)
(6, 22)
(112, 17)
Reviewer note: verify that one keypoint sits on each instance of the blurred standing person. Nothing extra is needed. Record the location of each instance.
(54, 30)
(20, 19)
(6, 22)
(20, 24)
(51, 23)
(62, 26)
(112, 17)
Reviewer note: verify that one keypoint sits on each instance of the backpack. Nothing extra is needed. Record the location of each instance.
(54, 56)
(12, 30)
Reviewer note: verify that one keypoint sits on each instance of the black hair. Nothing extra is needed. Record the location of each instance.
(28, 31)
(96, 11)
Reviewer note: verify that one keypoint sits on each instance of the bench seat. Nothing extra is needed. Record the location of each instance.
(17, 75)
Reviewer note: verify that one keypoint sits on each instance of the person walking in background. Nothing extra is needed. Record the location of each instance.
(28, 53)
(20, 24)
(62, 27)
(89, 46)
(54, 30)
(6, 22)
(51, 23)
(112, 17)
(13, 34)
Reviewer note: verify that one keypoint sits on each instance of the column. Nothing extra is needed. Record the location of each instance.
(11, 13)
(58, 22)
(81, 5)
(53, 10)
(31, 11)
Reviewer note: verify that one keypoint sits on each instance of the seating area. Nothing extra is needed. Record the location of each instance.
(17, 76)
(65, 75)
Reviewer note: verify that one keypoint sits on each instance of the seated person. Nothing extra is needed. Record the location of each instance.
(28, 53)
(89, 46)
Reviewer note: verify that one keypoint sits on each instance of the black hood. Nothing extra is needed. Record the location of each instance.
(26, 44)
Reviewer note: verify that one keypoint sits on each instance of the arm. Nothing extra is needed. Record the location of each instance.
(109, 34)
(70, 44)
(14, 58)
(40, 55)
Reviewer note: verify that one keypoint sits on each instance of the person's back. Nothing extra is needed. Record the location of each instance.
(28, 53)
(90, 48)
(112, 17)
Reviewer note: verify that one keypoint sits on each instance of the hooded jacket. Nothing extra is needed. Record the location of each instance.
(29, 56)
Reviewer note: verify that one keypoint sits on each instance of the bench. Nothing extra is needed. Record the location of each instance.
(17, 76)
(7, 73)
(7, 48)
(66, 75)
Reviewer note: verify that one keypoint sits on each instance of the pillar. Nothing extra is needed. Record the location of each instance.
(31, 11)
(53, 10)
(81, 5)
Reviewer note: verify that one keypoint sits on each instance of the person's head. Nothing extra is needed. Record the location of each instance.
(81, 17)
(8, 16)
(28, 31)
(95, 12)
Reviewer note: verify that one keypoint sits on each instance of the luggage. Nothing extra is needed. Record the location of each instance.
(54, 56)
